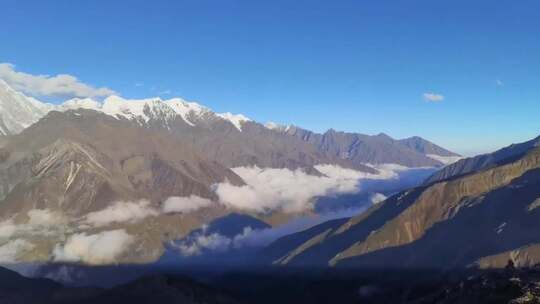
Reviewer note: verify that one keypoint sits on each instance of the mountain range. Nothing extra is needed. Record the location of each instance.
(124, 181)
(145, 172)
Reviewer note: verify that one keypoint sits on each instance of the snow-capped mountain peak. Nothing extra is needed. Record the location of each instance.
(117, 106)
(18, 111)
(276, 127)
(139, 109)
(189, 111)
(236, 119)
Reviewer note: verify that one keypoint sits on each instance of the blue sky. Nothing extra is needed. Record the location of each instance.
(359, 66)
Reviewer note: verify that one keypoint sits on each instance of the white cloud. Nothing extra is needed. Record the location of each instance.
(12, 249)
(293, 191)
(377, 198)
(101, 248)
(44, 85)
(432, 97)
(7, 229)
(185, 204)
(41, 222)
(121, 212)
(200, 241)
(44, 217)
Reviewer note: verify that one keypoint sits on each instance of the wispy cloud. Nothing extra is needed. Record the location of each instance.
(433, 97)
(121, 212)
(203, 242)
(185, 204)
(100, 248)
(62, 85)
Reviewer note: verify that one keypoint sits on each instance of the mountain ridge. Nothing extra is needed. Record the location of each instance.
(429, 226)
(157, 111)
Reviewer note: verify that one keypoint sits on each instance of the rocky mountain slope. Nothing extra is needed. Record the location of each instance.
(483, 218)
(87, 174)
(98, 159)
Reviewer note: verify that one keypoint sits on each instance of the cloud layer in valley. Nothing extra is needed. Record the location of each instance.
(16, 237)
(10, 250)
(267, 190)
(203, 242)
(294, 190)
(62, 85)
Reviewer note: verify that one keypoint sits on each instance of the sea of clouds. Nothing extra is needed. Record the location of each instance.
(269, 189)
(88, 240)
(203, 242)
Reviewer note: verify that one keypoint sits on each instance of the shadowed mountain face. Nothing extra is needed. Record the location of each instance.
(213, 244)
(15, 289)
(483, 218)
(163, 289)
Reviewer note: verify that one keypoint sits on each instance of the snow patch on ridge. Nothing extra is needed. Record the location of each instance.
(276, 127)
(446, 160)
(236, 119)
(130, 109)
